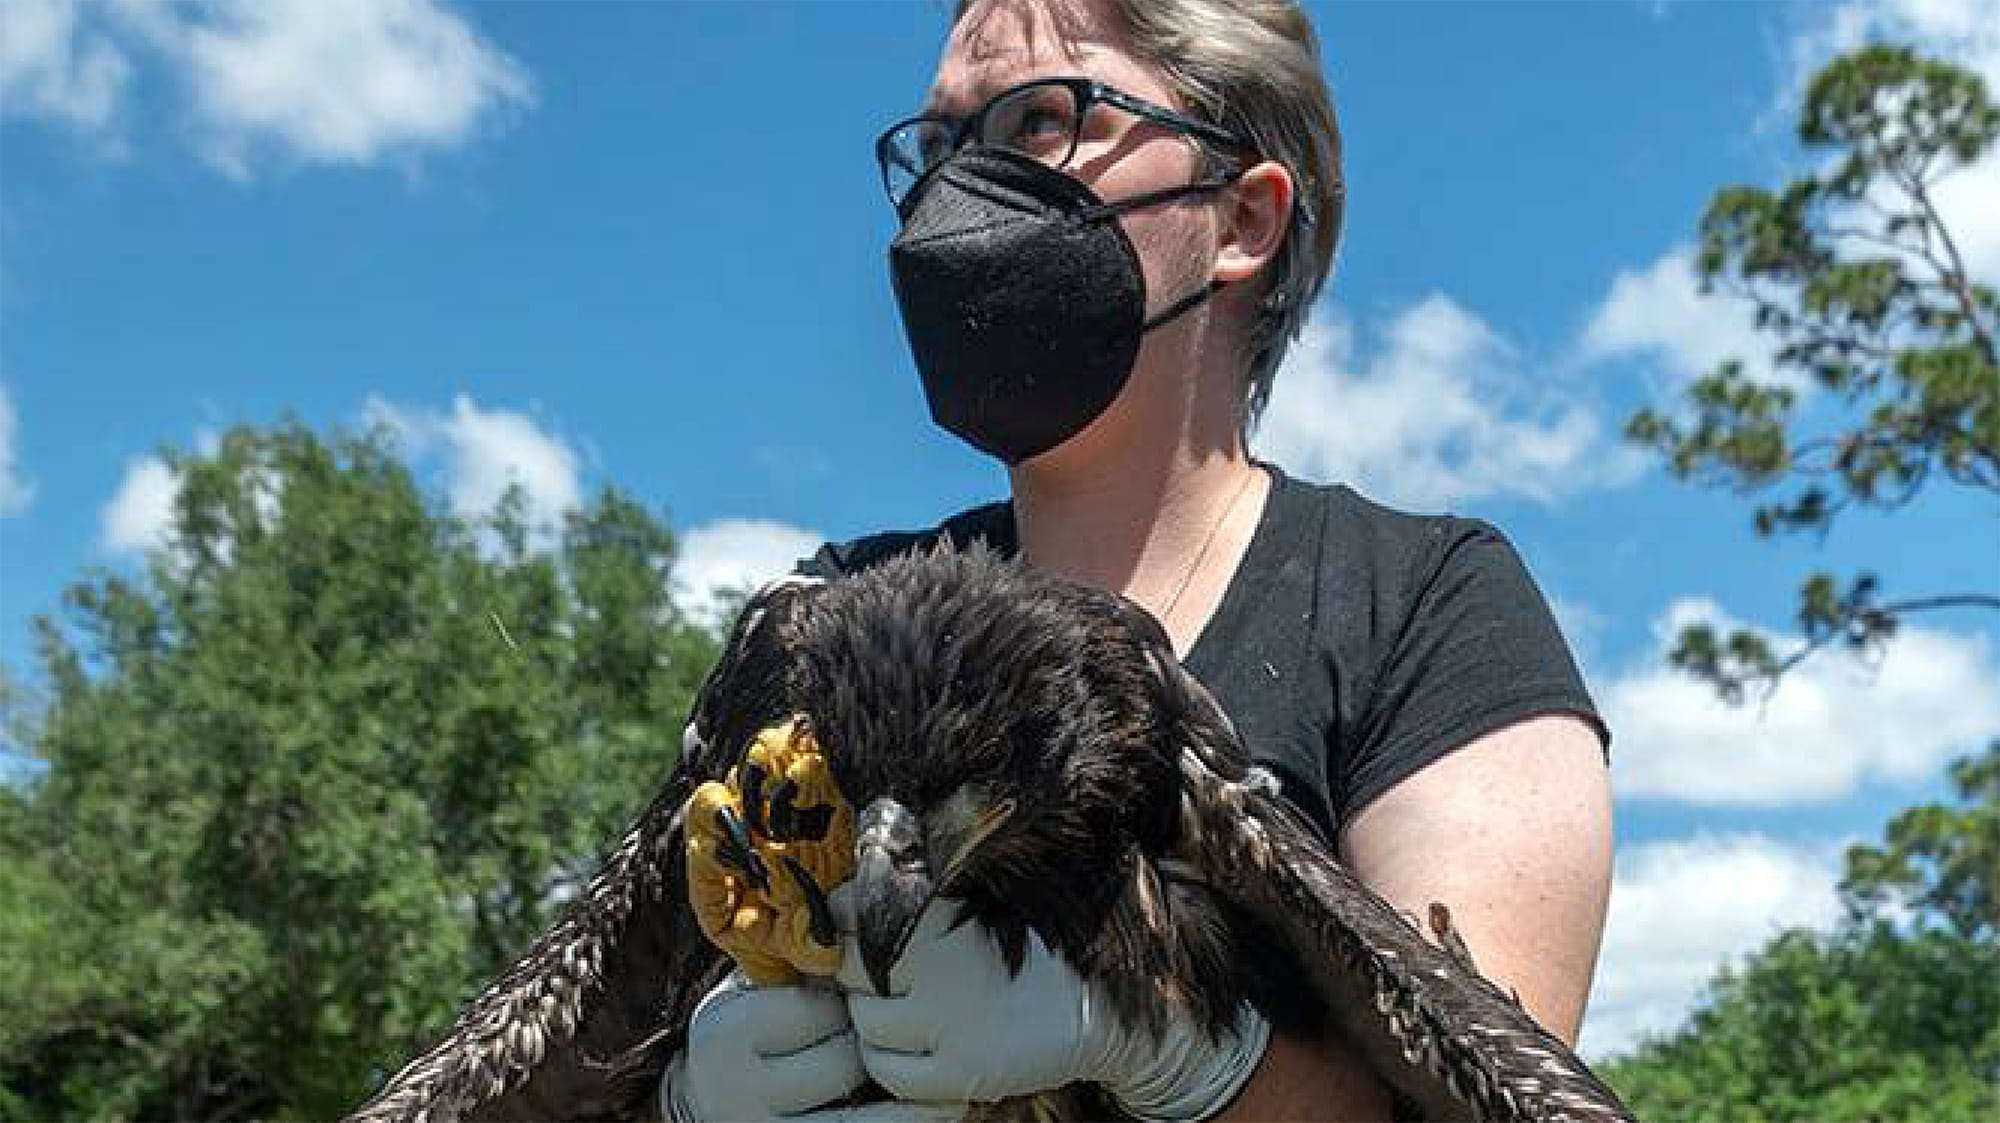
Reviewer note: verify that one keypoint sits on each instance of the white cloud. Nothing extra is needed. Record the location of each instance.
(1680, 909)
(1660, 312)
(1837, 720)
(53, 65)
(734, 554)
(15, 491)
(413, 428)
(343, 82)
(495, 449)
(1440, 414)
(140, 512)
(1966, 31)
(486, 452)
(1966, 202)
(338, 81)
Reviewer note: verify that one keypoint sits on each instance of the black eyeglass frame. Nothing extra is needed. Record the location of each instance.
(1087, 92)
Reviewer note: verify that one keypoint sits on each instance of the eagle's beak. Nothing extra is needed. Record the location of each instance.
(892, 884)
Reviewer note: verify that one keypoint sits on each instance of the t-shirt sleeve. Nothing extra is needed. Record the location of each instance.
(824, 564)
(992, 524)
(840, 559)
(1479, 650)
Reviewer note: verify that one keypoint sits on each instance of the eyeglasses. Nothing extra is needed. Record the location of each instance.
(1042, 119)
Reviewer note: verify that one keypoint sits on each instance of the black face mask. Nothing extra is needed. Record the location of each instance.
(1023, 298)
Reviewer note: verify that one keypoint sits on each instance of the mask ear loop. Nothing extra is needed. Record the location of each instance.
(1175, 310)
(1112, 209)
(1116, 207)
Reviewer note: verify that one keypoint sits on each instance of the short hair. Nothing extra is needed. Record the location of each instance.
(1253, 67)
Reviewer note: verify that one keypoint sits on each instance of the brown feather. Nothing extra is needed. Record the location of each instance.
(1441, 1034)
(1144, 848)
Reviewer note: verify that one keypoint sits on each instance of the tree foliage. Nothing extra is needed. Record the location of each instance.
(1939, 862)
(322, 769)
(1868, 1023)
(1862, 289)
(1893, 1016)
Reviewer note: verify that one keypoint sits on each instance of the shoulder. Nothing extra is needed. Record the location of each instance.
(990, 523)
(1432, 585)
(1389, 591)
(1372, 549)
(1423, 542)
(1436, 634)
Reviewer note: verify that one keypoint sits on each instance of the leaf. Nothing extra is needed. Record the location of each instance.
(1858, 290)
(301, 795)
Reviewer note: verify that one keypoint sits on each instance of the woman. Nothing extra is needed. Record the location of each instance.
(1115, 214)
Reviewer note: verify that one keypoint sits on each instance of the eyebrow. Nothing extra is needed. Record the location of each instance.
(1002, 72)
(982, 93)
(985, 91)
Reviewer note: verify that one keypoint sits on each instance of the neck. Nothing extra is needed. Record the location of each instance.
(1168, 533)
(1157, 499)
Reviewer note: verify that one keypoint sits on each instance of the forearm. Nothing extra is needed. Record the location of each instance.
(1308, 1080)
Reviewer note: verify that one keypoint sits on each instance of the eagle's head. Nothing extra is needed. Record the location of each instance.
(999, 733)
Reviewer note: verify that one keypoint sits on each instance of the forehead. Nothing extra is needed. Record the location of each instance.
(1002, 43)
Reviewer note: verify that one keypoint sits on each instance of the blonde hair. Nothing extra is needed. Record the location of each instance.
(1253, 68)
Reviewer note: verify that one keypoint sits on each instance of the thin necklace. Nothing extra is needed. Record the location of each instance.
(1202, 554)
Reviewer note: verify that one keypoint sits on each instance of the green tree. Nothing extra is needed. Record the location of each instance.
(1858, 281)
(1939, 863)
(316, 775)
(1893, 1016)
(1869, 1023)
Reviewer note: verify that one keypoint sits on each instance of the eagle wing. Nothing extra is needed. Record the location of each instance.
(1440, 1034)
(574, 1028)
(582, 1025)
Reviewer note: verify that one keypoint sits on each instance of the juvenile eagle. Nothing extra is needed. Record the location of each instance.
(1030, 746)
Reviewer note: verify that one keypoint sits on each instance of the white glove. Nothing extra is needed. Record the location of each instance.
(957, 1027)
(765, 1053)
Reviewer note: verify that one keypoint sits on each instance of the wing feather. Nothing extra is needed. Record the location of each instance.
(1439, 1033)
(581, 1025)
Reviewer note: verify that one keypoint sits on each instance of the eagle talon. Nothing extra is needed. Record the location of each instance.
(792, 823)
(812, 822)
(784, 816)
(753, 797)
(1448, 937)
(737, 851)
(822, 928)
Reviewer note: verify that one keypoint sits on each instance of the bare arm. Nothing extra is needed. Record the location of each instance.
(1513, 833)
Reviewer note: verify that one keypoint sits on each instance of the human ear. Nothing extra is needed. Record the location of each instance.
(1255, 212)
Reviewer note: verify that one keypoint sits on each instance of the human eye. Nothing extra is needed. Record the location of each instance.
(1035, 121)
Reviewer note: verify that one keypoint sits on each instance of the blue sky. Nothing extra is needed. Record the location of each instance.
(642, 243)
